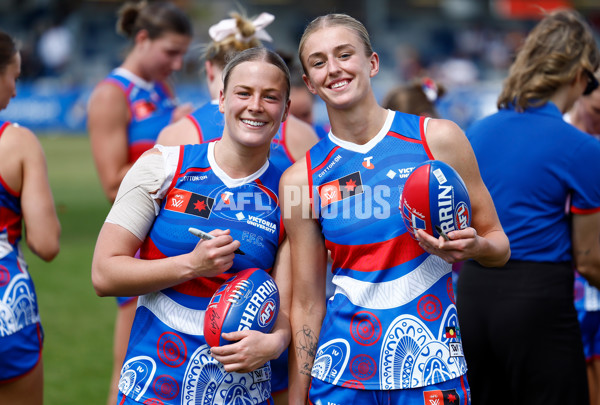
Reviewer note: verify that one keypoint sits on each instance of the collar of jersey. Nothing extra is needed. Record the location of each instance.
(138, 81)
(228, 181)
(354, 147)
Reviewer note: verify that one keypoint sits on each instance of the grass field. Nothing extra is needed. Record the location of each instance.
(78, 325)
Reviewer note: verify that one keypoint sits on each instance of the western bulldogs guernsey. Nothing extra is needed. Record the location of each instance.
(209, 124)
(392, 322)
(151, 106)
(168, 360)
(208, 121)
(18, 301)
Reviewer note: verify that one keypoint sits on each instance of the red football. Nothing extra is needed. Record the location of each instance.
(248, 300)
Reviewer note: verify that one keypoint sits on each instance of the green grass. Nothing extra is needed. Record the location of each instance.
(78, 325)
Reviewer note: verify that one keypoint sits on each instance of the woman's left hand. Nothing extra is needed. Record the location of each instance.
(251, 350)
(462, 244)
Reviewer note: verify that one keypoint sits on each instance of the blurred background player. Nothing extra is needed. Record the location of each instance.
(418, 97)
(25, 198)
(519, 325)
(585, 115)
(176, 275)
(127, 110)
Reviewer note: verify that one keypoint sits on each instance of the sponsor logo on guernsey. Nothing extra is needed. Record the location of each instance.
(441, 397)
(402, 173)
(367, 163)
(189, 203)
(254, 305)
(340, 189)
(142, 109)
(329, 166)
(456, 349)
(262, 374)
(262, 224)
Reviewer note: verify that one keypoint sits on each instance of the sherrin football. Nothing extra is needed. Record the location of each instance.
(435, 195)
(248, 300)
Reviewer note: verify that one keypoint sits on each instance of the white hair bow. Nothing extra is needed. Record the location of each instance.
(228, 27)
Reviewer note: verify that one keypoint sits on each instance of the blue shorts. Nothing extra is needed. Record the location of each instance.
(279, 373)
(20, 352)
(590, 333)
(452, 392)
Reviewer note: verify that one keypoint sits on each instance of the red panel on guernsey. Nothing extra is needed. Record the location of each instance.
(375, 256)
(200, 287)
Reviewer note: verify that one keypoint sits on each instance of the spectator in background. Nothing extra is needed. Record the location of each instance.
(25, 199)
(585, 115)
(418, 97)
(521, 335)
(55, 48)
(127, 110)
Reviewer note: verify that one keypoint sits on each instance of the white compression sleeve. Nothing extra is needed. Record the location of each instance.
(134, 207)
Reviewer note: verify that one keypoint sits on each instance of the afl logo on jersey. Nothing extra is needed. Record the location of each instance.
(251, 199)
(267, 312)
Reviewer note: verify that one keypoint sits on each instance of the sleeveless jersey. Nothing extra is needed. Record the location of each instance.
(392, 322)
(209, 123)
(168, 358)
(18, 300)
(280, 154)
(151, 107)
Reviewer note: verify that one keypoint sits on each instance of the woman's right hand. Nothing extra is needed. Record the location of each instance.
(213, 257)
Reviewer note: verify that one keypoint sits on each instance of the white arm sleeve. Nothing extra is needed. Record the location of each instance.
(142, 189)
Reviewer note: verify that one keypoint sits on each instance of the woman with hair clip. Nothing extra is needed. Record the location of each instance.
(25, 199)
(168, 360)
(418, 97)
(205, 124)
(386, 336)
(127, 110)
(521, 335)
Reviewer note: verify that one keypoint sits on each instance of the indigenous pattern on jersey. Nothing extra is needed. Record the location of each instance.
(151, 107)
(209, 123)
(18, 301)
(168, 359)
(392, 322)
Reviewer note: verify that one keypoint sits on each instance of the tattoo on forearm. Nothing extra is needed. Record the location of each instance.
(306, 349)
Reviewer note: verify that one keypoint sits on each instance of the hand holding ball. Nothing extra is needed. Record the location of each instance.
(435, 199)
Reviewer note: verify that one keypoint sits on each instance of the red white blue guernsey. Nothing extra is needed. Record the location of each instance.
(151, 107)
(392, 322)
(18, 301)
(209, 123)
(168, 359)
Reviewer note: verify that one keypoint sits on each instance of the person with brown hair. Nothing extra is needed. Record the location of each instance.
(388, 333)
(518, 322)
(25, 199)
(226, 188)
(418, 97)
(127, 110)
